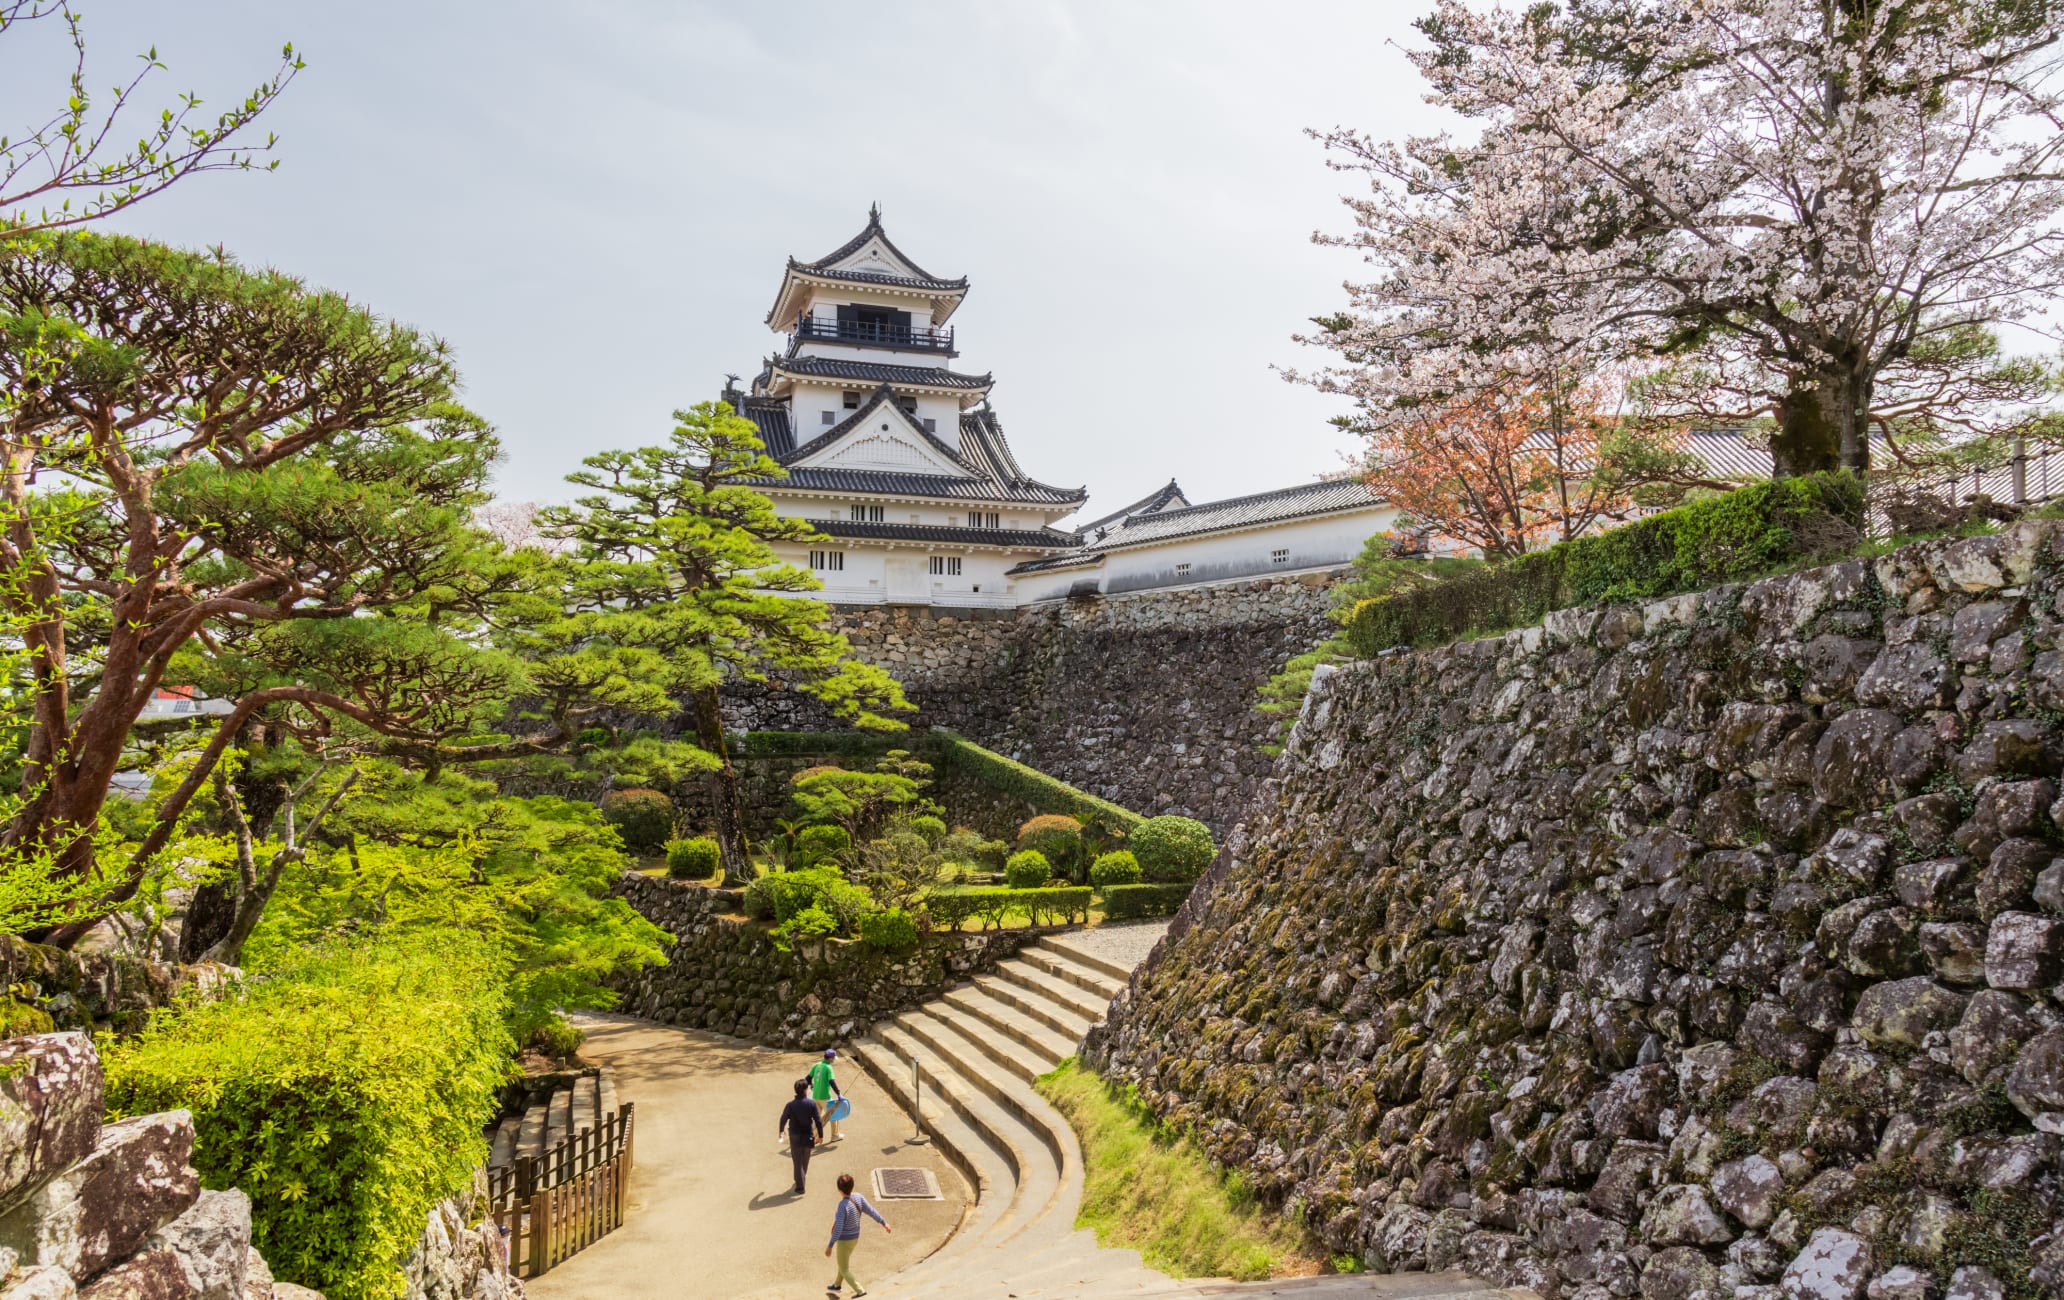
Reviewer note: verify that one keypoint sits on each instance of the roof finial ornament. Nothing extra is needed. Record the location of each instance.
(874, 213)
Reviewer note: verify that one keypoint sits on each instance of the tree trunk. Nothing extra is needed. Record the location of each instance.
(1823, 425)
(730, 813)
(210, 914)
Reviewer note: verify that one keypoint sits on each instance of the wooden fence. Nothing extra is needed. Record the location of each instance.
(552, 1206)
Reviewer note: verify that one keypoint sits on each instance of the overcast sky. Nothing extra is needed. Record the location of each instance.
(593, 203)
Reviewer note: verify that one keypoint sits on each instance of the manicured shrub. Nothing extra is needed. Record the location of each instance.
(811, 923)
(391, 1051)
(1027, 869)
(1120, 868)
(1009, 777)
(557, 1039)
(994, 906)
(645, 818)
(817, 844)
(1059, 838)
(780, 896)
(1744, 534)
(695, 859)
(1172, 849)
(930, 829)
(891, 930)
(1130, 902)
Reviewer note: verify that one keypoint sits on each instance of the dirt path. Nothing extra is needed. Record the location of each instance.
(711, 1217)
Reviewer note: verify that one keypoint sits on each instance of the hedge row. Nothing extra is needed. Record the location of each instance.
(771, 744)
(1047, 794)
(345, 1094)
(995, 906)
(1130, 902)
(1748, 533)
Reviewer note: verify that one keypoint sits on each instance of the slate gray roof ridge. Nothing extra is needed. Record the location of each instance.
(1153, 501)
(983, 490)
(872, 229)
(880, 372)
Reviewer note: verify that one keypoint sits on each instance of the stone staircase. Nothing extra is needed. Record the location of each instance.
(977, 1050)
(551, 1117)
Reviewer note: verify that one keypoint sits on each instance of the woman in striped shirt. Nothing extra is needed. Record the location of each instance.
(845, 1233)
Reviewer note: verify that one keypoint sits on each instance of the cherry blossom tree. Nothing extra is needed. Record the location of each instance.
(1809, 196)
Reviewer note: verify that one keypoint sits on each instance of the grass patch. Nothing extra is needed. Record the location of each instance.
(1154, 1191)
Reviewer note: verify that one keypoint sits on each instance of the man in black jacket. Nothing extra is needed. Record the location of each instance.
(799, 1119)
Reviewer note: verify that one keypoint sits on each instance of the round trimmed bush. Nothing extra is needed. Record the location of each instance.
(695, 859)
(930, 829)
(1058, 838)
(1172, 849)
(891, 930)
(1027, 869)
(1120, 868)
(817, 844)
(645, 818)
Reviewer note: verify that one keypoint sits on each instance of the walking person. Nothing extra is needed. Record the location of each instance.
(845, 1234)
(824, 1086)
(800, 1120)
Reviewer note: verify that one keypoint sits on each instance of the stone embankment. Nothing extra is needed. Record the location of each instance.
(1146, 700)
(98, 1210)
(45, 988)
(1708, 948)
(725, 974)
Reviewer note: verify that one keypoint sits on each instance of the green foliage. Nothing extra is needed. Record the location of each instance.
(859, 802)
(1173, 849)
(1009, 777)
(1131, 902)
(816, 844)
(965, 846)
(423, 857)
(557, 1038)
(994, 905)
(812, 922)
(694, 859)
(345, 1094)
(1153, 1190)
(1120, 868)
(891, 930)
(931, 829)
(1747, 533)
(645, 818)
(781, 896)
(1027, 869)
(1057, 837)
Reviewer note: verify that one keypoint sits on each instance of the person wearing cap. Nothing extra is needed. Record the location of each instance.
(824, 1086)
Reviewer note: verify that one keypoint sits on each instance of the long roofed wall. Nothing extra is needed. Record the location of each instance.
(1707, 945)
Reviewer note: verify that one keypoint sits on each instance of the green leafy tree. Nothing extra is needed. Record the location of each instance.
(73, 164)
(222, 478)
(859, 803)
(678, 590)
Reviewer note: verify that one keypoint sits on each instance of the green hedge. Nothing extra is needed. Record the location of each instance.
(994, 907)
(1043, 792)
(1129, 902)
(345, 1095)
(890, 930)
(1748, 533)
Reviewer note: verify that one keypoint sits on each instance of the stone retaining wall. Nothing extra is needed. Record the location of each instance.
(48, 988)
(1146, 700)
(1708, 948)
(725, 974)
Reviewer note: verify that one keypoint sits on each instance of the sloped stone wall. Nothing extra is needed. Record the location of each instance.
(48, 988)
(725, 974)
(1708, 948)
(1146, 700)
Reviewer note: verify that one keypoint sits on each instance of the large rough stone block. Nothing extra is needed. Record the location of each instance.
(2036, 1083)
(1749, 1189)
(50, 1107)
(1903, 1012)
(39, 1282)
(212, 1242)
(2024, 950)
(1684, 1214)
(1835, 1265)
(153, 1275)
(136, 1180)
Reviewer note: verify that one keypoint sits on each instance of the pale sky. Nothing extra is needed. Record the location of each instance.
(593, 202)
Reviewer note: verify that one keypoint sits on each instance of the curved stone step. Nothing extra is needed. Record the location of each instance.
(1053, 988)
(1119, 972)
(985, 1167)
(1065, 966)
(1042, 1039)
(1033, 1002)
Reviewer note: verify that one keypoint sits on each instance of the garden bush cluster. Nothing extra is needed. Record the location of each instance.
(345, 1094)
(1748, 533)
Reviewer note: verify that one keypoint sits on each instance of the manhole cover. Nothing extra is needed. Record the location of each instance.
(906, 1185)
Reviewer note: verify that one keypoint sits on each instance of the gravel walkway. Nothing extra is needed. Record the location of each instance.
(1129, 943)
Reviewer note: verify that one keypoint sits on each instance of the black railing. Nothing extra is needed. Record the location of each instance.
(879, 334)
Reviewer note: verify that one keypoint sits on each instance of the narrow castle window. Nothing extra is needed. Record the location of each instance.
(852, 401)
(866, 514)
(1280, 555)
(946, 566)
(828, 561)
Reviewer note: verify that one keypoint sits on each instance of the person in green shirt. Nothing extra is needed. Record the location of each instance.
(824, 1086)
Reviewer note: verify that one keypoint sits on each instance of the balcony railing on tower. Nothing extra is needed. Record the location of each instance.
(878, 334)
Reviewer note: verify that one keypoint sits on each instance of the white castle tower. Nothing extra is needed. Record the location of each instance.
(892, 454)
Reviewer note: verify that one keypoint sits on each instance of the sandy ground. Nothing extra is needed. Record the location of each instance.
(711, 1216)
